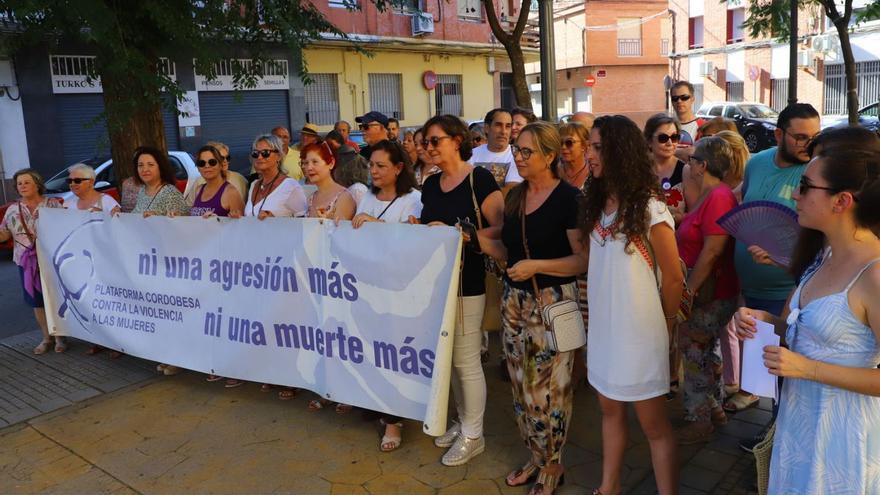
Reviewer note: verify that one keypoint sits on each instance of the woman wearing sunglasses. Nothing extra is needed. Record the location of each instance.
(233, 177)
(663, 133)
(462, 191)
(575, 141)
(273, 194)
(217, 196)
(81, 179)
(423, 167)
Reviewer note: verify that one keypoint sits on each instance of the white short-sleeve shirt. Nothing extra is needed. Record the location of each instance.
(287, 200)
(106, 203)
(397, 211)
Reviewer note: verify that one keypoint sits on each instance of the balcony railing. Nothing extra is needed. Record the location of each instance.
(531, 38)
(629, 47)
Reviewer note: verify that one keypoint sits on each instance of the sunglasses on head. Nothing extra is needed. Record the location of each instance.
(210, 162)
(680, 98)
(662, 138)
(77, 180)
(263, 153)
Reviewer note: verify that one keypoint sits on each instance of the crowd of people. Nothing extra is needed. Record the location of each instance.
(623, 220)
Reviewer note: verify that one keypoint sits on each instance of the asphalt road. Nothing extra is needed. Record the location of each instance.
(15, 316)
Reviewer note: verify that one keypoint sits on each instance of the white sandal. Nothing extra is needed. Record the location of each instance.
(390, 443)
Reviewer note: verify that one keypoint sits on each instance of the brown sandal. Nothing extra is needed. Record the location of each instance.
(545, 481)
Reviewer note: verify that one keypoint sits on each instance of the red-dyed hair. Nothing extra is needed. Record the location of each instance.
(322, 149)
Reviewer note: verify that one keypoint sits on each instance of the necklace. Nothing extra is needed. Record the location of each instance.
(574, 175)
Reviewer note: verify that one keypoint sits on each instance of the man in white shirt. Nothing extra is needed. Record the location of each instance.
(682, 97)
(496, 155)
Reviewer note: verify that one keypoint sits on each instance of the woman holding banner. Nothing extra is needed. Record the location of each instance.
(543, 261)
(462, 192)
(392, 199)
(20, 225)
(273, 194)
(331, 201)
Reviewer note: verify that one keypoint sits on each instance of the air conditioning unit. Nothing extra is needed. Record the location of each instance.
(805, 58)
(422, 23)
(820, 43)
(707, 68)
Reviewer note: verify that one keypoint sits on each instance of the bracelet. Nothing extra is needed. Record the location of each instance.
(670, 317)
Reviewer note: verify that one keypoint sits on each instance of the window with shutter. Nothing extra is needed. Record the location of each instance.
(386, 94)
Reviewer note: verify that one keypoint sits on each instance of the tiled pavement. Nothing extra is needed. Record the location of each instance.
(91, 424)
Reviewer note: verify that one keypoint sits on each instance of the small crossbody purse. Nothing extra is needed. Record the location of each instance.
(562, 319)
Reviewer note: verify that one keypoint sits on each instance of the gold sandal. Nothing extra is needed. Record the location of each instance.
(530, 468)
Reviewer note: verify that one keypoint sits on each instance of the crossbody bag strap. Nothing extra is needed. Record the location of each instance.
(474, 199)
(27, 231)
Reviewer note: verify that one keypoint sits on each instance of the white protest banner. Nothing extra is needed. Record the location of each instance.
(364, 317)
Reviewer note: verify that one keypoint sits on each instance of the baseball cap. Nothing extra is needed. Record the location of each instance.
(373, 117)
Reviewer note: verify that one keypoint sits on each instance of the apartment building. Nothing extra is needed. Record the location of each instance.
(611, 57)
(713, 51)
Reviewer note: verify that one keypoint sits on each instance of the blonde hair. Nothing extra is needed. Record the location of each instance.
(548, 142)
(716, 125)
(741, 156)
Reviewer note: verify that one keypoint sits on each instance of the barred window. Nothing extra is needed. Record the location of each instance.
(322, 99)
(448, 95)
(386, 95)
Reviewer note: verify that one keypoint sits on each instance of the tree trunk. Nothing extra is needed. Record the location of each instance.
(132, 119)
(849, 66)
(520, 86)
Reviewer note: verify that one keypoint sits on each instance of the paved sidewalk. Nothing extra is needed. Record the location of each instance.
(90, 424)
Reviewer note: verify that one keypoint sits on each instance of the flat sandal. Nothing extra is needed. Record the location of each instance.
(550, 481)
(530, 468)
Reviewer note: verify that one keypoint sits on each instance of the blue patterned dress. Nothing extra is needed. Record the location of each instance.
(827, 438)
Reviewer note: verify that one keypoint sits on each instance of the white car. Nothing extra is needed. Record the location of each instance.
(185, 171)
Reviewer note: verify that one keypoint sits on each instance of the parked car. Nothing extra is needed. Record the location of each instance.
(756, 122)
(868, 118)
(105, 181)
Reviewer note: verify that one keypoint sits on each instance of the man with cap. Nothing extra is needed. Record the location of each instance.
(291, 154)
(375, 127)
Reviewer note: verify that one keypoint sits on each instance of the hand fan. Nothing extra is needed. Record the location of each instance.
(772, 226)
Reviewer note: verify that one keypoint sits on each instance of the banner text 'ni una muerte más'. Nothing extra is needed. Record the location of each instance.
(360, 316)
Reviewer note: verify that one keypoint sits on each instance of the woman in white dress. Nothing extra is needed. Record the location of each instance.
(629, 227)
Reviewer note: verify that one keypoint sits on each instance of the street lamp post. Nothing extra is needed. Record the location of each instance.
(548, 62)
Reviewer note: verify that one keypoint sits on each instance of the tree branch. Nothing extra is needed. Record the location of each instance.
(523, 18)
(503, 36)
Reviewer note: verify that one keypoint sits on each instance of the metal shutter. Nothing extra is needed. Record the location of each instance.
(235, 122)
(84, 132)
(385, 94)
(322, 99)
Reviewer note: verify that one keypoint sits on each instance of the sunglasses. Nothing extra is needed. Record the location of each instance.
(680, 98)
(77, 180)
(211, 162)
(478, 139)
(263, 153)
(364, 127)
(805, 187)
(569, 143)
(525, 152)
(662, 138)
(434, 141)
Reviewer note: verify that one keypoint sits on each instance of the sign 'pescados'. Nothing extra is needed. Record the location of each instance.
(363, 317)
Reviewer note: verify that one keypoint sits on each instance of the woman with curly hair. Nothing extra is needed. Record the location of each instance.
(632, 240)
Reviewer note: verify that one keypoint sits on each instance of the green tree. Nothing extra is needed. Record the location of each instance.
(512, 42)
(129, 37)
(771, 17)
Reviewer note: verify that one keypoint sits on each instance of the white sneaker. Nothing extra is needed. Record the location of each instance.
(447, 439)
(463, 450)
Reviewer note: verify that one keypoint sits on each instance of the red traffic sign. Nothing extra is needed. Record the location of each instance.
(429, 80)
(601, 73)
(589, 81)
